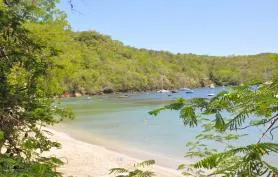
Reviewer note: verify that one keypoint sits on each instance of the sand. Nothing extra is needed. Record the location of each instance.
(88, 160)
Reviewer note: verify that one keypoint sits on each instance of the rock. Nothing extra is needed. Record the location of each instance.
(77, 94)
(67, 94)
(93, 93)
(107, 90)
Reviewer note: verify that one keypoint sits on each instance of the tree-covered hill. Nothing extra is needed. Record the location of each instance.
(91, 61)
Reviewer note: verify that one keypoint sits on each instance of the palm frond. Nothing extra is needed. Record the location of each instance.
(145, 163)
(237, 121)
(117, 170)
(219, 122)
(189, 117)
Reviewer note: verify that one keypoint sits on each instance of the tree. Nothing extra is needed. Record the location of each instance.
(226, 118)
(26, 100)
(137, 172)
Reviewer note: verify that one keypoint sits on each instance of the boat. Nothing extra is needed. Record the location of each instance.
(123, 96)
(211, 94)
(268, 83)
(187, 90)
(184, 89)
(212, 86)
(163, 91)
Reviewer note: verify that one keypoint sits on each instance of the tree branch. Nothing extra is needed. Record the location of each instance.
(269, 128)
(6, 2)
(269, 120)
(272, 131)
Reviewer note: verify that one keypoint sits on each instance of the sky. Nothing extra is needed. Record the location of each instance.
(209, 27)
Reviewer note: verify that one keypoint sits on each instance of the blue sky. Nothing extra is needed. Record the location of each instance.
(212, 27)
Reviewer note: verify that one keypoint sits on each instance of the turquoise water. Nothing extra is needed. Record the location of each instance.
(123, 124)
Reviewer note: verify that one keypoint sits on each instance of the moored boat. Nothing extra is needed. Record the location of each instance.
(187, 90)
(212, 86)
(163, 91)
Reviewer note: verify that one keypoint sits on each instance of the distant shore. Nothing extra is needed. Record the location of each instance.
(83, 159)
(110, 91)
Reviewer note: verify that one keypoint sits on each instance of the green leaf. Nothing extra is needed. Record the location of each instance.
(187, 114)
(1, 135)
(146, 163)
(219, 122)
(117, 170)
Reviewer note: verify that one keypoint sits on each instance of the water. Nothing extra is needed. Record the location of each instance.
(124, 125)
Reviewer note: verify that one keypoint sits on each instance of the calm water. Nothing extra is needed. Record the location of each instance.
(123, 124)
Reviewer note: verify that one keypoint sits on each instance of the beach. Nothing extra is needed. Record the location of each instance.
(83, 159)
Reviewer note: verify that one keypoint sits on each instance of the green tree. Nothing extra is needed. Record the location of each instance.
(94, 61)
(26, 100)
(226, 118)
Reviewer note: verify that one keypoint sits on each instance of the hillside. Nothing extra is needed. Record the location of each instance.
(90, 62)
(109, 63)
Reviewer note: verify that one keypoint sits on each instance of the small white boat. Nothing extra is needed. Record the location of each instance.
(163, 91)
(211, 94)
(184, 89)
(268, 83)
(187, 90)
(212, 86)
(123, 96)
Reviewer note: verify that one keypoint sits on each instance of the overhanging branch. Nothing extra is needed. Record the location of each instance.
(270, 127)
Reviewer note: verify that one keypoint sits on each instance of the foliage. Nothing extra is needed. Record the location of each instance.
(17, 167)
(89, 61)
(137, 172)
(103, 60)
(26, 100)
(40, 58)
(225, 119)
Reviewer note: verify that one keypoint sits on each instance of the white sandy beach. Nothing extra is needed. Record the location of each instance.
(83, 159)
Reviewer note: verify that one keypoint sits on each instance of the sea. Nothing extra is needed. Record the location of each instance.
(121, 122)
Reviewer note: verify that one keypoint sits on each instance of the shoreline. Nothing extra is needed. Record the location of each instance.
(120, 147)
(67, 94)
(84, 159)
